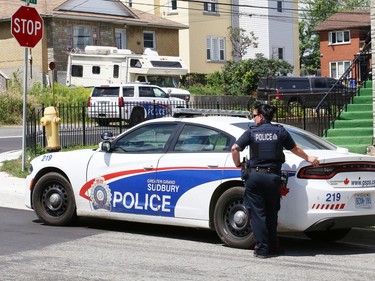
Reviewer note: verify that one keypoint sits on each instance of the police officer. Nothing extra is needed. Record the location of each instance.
(262, 187)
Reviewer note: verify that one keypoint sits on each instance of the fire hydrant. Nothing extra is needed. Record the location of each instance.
(51, 122)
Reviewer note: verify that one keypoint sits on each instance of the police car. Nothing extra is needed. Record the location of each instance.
(179, 171)
(132, 102)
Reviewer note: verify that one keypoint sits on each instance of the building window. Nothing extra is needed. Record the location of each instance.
(339, 37)
(116, 71)
(96, 69)
(173, 6)
(338, 68)
(215, 48)
(149, 39)
(280, 6)
(81, 37)
(278, 53)
(77, 71)
(210, 6)
(120, 37)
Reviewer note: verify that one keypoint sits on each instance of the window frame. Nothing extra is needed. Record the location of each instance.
(146, 32)
(279, 6)
(215, 51)
(172, 7)
(210, 7)
(338, 73)
(333, 37)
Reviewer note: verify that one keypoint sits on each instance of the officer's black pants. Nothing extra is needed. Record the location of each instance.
(262, 198)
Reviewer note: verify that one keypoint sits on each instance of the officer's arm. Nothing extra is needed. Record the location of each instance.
(299, 152)
(236, 155)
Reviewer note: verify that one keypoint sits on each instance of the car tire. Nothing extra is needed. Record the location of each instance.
(137, 116)
(103, 123)
(328, 235)
(231, 220)
(53, 200)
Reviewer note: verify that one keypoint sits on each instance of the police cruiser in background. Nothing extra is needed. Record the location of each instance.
(179, 171)
(98, 65)
(133, 103)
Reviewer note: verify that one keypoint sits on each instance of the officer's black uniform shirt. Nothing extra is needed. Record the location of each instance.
(266, 145)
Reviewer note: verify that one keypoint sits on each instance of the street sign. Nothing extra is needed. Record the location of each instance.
(27, 26)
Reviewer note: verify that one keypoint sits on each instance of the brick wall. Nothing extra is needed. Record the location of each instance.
(331, 53)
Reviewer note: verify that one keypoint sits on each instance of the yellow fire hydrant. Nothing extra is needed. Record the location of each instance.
(51, 122)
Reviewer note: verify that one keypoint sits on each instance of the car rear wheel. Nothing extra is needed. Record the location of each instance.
(137, 116)
(328, 235)
(53, 200)
(231, 220)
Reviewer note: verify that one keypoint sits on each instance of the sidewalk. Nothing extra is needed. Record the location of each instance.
(11, 188)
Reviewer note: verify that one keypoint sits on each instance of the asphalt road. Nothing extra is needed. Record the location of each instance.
(10, 138)
(110, 250)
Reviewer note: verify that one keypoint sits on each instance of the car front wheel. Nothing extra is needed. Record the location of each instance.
(53, 200)
(231, 220)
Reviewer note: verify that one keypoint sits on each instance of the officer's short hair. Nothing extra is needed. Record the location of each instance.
(266, 110)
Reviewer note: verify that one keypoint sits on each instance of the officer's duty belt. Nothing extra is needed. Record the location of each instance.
(264, 170)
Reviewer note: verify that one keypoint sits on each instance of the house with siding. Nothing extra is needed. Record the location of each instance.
(72, 24)
(275, 24)
(206, 45)
(342, 37)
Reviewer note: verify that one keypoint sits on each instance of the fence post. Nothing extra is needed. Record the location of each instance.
(84, 124)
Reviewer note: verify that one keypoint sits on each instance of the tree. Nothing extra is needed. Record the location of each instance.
(240, 42)
(241, 77)
(312, 13)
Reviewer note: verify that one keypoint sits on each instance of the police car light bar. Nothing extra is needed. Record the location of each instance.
(190, 112)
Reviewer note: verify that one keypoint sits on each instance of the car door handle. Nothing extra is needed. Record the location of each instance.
(212, 166)
(148, 168)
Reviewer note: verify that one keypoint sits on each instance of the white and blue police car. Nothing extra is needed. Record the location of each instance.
(179, 171)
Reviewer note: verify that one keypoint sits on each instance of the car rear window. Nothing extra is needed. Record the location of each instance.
(105, 92)
(294, 84)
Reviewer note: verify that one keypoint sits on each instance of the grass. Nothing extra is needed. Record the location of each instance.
(14, 167)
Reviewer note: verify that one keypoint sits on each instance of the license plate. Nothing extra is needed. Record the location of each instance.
(363, 200)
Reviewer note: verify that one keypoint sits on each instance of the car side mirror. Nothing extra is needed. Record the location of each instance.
(105, 146)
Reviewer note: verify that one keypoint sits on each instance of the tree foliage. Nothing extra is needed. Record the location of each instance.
(240, 42)
(312, 13)
(241, 77)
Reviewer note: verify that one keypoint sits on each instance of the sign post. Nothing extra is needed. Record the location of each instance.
(27, 28)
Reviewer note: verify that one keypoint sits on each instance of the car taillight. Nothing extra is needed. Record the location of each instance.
(327, 171)
(121, 102)
(278, 95)
(89, 102)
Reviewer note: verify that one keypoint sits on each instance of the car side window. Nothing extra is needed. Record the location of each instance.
(128, 91)
(320, 83)
(146, 92)
(201, 139)
(152, 138)
(159, 93)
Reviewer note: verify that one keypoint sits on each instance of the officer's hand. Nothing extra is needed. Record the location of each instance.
(313, 160)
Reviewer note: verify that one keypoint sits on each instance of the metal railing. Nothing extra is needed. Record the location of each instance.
(343, 91)
(78, 128)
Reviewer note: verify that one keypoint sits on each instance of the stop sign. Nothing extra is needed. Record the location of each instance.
(27, 26)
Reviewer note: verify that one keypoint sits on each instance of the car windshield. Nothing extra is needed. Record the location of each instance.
(303, 139)
(162, 81)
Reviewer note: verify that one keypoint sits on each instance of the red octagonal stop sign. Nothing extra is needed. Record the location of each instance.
(27, 26)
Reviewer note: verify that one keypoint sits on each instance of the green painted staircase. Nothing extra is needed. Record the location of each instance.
(354, 128)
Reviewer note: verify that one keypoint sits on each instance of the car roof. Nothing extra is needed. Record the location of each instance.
(126, 84)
